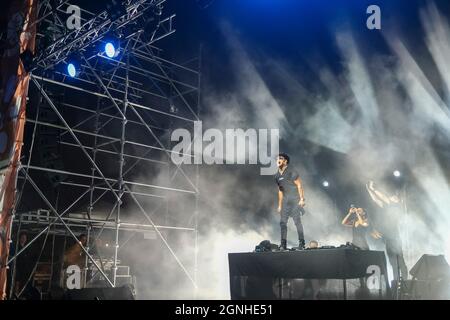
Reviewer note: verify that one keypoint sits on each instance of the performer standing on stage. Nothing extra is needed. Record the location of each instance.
(357, 219)
(291, 199)
(392, 205)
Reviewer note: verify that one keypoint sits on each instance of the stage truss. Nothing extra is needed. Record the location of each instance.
(140, 93)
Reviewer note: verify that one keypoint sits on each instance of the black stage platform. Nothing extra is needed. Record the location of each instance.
(256, 275)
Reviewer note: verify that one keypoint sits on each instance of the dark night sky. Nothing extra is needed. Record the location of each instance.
(287, 28)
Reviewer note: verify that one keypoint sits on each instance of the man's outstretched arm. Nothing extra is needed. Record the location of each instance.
(374, 197)
(280, 200)
(381, 195)
(301, 192)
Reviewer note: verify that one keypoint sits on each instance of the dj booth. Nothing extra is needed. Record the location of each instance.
(269, 275)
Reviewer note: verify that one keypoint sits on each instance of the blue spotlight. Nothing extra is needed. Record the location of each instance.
(110, 50)
(72, 70)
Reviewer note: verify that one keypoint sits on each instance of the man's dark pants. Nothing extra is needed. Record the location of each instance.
(293, 210)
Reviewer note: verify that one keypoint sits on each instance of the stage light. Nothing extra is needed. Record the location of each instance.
(325, 184)
(397, 174)
(110, 44)
(72, 70)
(111, 50)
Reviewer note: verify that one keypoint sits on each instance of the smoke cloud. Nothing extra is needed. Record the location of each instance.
(381, 112)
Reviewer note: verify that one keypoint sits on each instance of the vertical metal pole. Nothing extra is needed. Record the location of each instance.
(406, 250)
(91, 192)
(289, 284)
(52, 267)
(85, 271)
(280, 288)
(196, 230)
(62, 270)
(53, 245)
(121, 165)
(16, 249)
(345, 289)
(166, 255)
(197, 175)
(94, 157)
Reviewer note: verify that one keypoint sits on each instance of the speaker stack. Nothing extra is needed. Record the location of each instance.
(431, 280)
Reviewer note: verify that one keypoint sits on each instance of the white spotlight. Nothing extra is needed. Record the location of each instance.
(326, 184)
(397, 173)
(110, 50)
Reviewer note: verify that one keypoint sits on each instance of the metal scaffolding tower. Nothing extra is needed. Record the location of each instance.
(114, 117)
